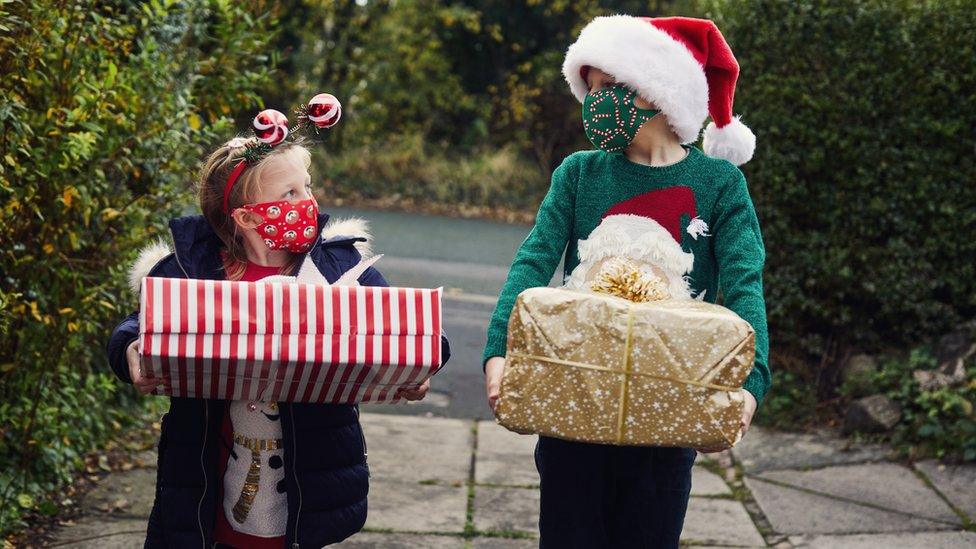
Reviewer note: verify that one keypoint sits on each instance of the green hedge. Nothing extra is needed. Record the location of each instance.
(104, 108)
(865, 168)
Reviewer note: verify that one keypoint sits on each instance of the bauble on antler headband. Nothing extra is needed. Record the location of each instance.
(271, 128)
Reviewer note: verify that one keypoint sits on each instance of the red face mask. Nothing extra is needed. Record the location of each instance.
(291, 226)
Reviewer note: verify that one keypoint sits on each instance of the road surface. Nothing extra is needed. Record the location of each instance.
(470, 259)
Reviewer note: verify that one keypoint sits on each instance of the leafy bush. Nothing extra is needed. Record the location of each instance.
(939, 423)
(404, 167)
(103, 108)
(864, 169)
(791, 405)
(461, 73)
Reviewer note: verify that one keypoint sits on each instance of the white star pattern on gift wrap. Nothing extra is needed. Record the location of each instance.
(587, 400)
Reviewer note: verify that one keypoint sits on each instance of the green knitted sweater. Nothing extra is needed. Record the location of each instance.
(587, 184)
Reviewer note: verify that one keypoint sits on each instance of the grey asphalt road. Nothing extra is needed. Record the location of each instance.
(470, 259)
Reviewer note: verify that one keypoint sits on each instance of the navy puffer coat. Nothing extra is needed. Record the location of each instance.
(326, 473)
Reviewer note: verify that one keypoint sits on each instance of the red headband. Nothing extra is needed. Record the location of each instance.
(234, 175)
(271, 127)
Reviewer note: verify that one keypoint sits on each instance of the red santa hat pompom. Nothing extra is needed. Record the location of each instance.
(683, 65)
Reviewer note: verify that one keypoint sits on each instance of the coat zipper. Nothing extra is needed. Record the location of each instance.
(203, 467)
(206, 430)
(362, 436)
(294, 438)
(294, 472)
(177, 256)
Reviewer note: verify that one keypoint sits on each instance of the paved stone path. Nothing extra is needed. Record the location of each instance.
(454, 483)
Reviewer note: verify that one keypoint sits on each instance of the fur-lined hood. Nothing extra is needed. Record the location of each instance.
(352, 228)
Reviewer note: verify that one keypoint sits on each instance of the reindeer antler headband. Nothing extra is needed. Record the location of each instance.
(271, 128)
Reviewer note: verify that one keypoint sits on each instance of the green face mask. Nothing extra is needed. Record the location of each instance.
(610, 118)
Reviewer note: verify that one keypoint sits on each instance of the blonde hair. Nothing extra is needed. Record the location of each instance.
(210, 194)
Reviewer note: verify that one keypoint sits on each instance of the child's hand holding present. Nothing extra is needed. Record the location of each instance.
(494, 369)
(143, 385)
(748, 409)
(415, 393)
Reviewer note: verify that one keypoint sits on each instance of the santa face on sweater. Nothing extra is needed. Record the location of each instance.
(636, 245)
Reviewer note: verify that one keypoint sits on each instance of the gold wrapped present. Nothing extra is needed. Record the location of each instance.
(599, 368)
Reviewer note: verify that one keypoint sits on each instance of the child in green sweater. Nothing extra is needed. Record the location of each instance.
(646, 86)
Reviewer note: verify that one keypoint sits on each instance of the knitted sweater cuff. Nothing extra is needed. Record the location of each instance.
(755, 385)
(496, 346)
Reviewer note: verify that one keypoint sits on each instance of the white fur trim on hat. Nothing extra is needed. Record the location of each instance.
(350, 227)
(148, 258)
(638, 54)
(734, 142)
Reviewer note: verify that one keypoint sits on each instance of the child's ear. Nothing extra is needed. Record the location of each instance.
(246, 219)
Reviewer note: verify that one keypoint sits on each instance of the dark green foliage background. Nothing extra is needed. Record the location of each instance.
(105, 108)
(864, 172)
(865, 113)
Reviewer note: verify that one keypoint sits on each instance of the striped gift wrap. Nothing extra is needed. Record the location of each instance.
(291, 342)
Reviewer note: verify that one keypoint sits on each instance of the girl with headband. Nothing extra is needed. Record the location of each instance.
(304, 483)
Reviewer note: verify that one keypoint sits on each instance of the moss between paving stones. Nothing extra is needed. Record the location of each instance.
(967, 523)
(742, 494)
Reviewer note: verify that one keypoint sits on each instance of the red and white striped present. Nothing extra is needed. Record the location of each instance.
(288, 342)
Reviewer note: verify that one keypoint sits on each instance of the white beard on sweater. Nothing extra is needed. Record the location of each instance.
(641, 240)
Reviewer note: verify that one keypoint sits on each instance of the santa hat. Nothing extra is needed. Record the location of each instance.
(683, 65)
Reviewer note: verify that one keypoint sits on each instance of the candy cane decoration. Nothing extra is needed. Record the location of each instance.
(270, 127)
(324, 110)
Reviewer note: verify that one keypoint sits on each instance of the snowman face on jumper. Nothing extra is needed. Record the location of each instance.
(254, 499)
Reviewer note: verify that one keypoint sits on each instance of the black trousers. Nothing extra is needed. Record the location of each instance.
(596, 496)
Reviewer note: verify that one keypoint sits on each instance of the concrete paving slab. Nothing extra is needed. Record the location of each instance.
(372, 540)
(707, 483)
(886, 485)
(505, 457)
(766, 449)
(719, 521)
(126, 494)
(503, 543)
(956, 482)
(99, 532)
(928, 540)
(418, 448)
(793, 511)
(506, 510)
(414, 507)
